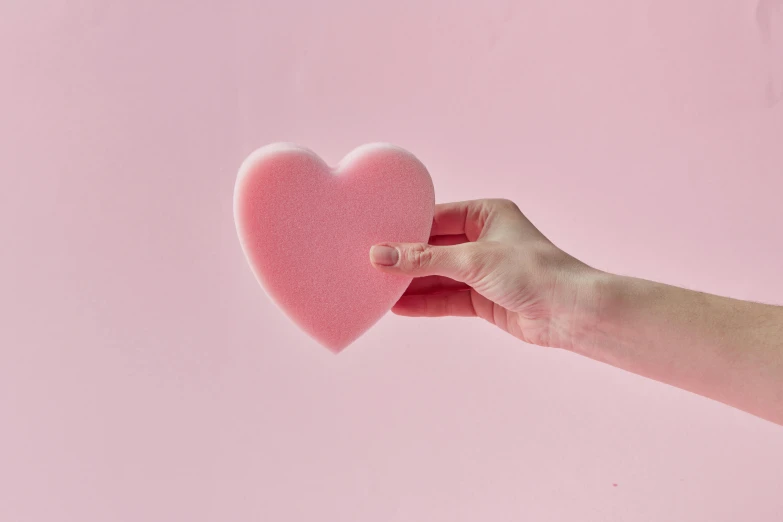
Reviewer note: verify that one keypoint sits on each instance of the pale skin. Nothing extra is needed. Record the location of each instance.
(486, 259)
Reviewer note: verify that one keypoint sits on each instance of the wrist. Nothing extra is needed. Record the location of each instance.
(598, 293)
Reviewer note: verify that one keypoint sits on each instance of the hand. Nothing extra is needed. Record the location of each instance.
(485, 259)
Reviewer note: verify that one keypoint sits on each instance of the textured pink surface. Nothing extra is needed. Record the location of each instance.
(307, 229)
(144, 376)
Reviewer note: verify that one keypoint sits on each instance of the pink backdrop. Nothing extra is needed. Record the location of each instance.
(145, 376)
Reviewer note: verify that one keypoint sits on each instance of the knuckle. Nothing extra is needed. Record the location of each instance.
(505, 204)
(418, 257)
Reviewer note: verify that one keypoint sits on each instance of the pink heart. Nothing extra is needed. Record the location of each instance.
(306, 230)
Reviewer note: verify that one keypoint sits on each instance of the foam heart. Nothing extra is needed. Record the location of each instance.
(306, 230)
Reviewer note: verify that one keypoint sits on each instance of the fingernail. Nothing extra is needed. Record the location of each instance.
(384, 255)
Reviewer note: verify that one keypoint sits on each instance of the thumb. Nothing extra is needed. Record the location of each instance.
(420, 259)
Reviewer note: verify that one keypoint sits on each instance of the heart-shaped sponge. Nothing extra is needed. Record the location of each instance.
(306, 230)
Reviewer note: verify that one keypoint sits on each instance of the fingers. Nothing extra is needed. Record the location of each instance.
(458, 303)
(458, 262)
(450, 218)
(455, 239)
(433, 285)
(480, 218)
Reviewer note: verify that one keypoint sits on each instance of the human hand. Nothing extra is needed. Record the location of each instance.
(486, 259)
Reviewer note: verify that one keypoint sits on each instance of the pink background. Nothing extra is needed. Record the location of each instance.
(145, 376)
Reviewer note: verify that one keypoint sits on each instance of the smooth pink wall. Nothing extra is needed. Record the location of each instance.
(145, 376)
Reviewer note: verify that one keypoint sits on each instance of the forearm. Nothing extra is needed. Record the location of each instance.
(725, 349)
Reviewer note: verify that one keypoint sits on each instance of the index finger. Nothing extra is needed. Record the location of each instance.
(451, 219)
